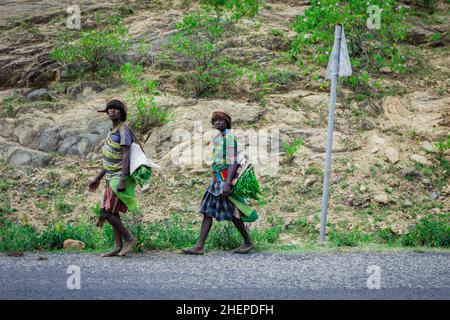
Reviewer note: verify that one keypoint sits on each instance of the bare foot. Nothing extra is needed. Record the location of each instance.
(126, 248)
(194, 250)
(245, 248)
(113, 253)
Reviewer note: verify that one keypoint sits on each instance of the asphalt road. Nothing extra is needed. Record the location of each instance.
(225, 275)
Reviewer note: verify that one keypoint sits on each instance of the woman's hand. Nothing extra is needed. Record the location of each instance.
(121, 186)
(94, 183)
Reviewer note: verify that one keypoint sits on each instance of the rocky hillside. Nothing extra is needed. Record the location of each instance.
(385, 176)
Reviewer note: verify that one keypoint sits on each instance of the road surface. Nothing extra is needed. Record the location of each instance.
(225, 275)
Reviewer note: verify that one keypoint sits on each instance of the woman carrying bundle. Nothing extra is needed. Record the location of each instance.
(217, 202)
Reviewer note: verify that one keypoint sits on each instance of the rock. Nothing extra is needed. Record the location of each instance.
(367, 125)
(41, 258)
(64, 182)
(407, 204)
(310, 181)
(327, 229)
(381, 198)
(318, 142)
(434, 195)
(446, 190)
(410, 172)
(386, 70)
(428, 147)
(70, 244)
(377, 140)
(19, 155)
(40, 94)
(421, 160)
(391, 155)
(42, 186)
(420, 111)
(84, 89)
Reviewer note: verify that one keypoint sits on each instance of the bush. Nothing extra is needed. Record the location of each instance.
(146, 115)
(9, 103)
(292, 148)
(93, 50)
(431, 231)
(428, 5)
(369, 50)
(348, 239)
(17, 237)
(196, 47)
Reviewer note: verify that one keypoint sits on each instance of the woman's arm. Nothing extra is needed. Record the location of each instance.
(230, 174)
(125, 167)
(94, 183)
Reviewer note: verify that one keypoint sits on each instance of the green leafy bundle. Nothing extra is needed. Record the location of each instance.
(142, 175)
(248, 187)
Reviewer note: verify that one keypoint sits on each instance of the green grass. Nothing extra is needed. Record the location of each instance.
(170, 234)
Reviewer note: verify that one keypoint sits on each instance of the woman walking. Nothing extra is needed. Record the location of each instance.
(119, 191)
(215, 203)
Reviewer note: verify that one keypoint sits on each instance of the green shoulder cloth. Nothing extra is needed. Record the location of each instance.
(126, 196)
(249, 214)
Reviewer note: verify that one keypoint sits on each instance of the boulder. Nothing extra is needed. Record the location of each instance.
(39, 94)
(421, 160)
(381, 198)
(84, 89)
(19, 155)
(70, 244)
(391, 155)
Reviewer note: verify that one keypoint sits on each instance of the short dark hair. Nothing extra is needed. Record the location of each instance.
(118, 105)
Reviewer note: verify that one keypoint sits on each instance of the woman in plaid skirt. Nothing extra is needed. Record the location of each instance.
(215, 203)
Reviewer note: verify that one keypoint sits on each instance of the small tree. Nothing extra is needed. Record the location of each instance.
(198, 44)
(141, 92)
(369, 49)
(93, 50)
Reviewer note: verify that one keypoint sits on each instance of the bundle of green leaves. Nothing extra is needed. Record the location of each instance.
(142, 175)
(248, 186)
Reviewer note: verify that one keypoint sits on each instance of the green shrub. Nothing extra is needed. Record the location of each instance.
(369, 50)
(141, 93)
(53, 237)
(432, 231)
(292, 148)
(197, 47)
(9, 104)
(428, 5)
(93, 50)
(16, 237)
(348, 239)
(62, 206)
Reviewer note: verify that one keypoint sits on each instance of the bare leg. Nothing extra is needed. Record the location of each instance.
(117, 224)
(248, 245)
(117, 244)
(206, 227)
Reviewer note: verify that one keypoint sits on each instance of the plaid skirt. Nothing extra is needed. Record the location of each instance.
(216, 206)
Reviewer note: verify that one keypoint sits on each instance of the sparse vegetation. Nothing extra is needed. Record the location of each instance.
(147, 114)
(93, 49)
(198, 44)
(292, 148)
(369, 49)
